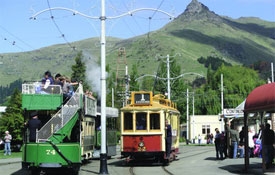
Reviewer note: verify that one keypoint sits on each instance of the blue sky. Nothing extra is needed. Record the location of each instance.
(19, 33)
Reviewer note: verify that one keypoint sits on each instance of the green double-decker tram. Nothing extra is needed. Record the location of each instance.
(68, 136)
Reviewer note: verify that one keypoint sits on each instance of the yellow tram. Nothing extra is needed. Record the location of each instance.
(143, 130)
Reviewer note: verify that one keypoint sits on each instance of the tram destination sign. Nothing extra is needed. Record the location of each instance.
(142, 98)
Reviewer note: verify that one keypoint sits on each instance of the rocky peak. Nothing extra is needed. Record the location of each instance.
(195, 7)
(198, 11)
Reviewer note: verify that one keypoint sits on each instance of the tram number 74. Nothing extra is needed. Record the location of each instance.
(50, 152)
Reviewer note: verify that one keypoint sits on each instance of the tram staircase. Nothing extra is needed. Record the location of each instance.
(60, 125)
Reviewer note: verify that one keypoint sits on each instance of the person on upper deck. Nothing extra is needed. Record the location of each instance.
(67, 87)
(47, 80)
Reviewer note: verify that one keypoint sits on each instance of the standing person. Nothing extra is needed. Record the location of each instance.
(199, 139)
(168, 139)
(234, 137)
(251, 143)
(33, 124)
(223, 144)
(7, 140)
(268, 141)
(241, 136)
(219, 151)
(211, 138)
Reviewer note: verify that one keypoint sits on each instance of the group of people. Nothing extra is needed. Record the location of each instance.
(220, 144)
(263, 140)
(62, 81)
(256, 141)
(209, 138)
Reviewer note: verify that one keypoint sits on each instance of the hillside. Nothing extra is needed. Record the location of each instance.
(197, 32)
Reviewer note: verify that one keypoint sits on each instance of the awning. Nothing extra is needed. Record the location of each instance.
(261, 99)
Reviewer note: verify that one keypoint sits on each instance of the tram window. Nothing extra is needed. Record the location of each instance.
(128, 121)
(141, 122)
(154, 121)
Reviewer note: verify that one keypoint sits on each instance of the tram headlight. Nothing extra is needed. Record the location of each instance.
(141, 146)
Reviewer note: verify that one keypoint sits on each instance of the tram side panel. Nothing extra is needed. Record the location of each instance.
(175, 124)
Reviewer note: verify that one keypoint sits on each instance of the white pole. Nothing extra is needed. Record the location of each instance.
(168, 78)
(272, 73)
(222, 119)
(113, 98)
(103, 154)
(193, 118)
(193, 104)
(187, 115)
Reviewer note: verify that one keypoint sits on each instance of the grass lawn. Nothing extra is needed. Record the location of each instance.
(13, 155)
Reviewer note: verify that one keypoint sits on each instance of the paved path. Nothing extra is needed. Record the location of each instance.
(192, 160)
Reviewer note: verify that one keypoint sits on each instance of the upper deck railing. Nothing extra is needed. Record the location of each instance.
(39, 88)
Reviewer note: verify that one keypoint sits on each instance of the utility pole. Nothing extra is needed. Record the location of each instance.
(272, 73)
(103, 154)
(222, 119)
(187, 115)
(168, 77)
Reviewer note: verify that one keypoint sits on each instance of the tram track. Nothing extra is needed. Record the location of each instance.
(167, 171)
(195, 152)
(136, 169)
(163, 168)
(131, 171)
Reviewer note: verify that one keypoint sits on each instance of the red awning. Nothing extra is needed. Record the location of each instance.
(261, 99)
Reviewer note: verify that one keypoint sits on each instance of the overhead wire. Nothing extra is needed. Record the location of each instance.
(14, 41)
(151, 17)
(134, 19)
(58, 28)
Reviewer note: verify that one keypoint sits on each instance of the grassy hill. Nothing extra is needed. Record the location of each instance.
(197, 32)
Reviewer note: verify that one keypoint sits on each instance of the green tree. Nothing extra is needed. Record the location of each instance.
(79, 71)
(12, 120)
(238, 82)
(134, 85)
